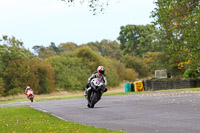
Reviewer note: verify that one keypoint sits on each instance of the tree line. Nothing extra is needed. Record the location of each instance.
(66, 66)
(171, 43)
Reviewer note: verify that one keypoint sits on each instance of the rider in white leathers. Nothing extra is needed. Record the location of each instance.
(98, 74)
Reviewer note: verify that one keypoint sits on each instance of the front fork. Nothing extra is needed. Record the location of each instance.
(90, 94)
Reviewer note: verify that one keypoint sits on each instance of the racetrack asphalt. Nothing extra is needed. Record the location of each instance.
(160, 112)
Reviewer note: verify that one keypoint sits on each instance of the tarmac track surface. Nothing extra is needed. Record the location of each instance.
(163, 112)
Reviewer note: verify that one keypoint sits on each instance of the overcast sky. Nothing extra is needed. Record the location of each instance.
(40, 22)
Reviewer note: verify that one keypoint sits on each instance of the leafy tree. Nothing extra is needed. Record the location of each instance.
(55, 49)
(67, 47)
(191, 73)
(73, 69)
(112, 77)
(106, 48)
(92, 60)
(71, 73)
(138, 39)
(19, 68)
(152, 59)
(96, 6)
(45, 52)
(46, 77)
(89, 58)
(137, 64)
(12, 49)
(178, 22)
(22, 72)
(2, 89)
(118, 66)
(130, 75)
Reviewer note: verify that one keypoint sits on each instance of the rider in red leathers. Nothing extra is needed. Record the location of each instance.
(27, 88)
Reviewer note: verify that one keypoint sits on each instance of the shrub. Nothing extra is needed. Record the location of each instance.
(89, 58)
(15, 91)
(117, 66)
(130, 75)
(92, 60)
(71, 73)
(152, 59)
(74, 69)
(46, 77)
(137, 64)
(38, 74)
(112, 78)
(191, 73)
(2, 89)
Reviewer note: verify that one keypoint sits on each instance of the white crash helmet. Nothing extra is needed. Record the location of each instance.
(100, 70)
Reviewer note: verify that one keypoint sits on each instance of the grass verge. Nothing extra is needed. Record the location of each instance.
(44, 97)
(80, 95)
(26, 119)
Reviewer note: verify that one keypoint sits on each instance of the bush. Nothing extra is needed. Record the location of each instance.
(74, 69)
(92, 60)
(89, 58)
(152, 60)
(71, 73)
(112, 78)
(137, 64)
(38, 74)
(46, 77)
(191, 73)
(117, 66)
(131, 75)
(2, 89)
(15, 91)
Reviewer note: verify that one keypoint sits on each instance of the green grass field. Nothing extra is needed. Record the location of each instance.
(28, 120)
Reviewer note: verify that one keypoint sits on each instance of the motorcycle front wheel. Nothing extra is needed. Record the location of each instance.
(31, 99)
(94, 99)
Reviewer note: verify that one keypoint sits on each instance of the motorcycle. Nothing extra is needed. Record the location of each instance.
(95, 92)
(30, 95)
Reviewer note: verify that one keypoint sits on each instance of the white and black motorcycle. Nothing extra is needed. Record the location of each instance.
(95, 92)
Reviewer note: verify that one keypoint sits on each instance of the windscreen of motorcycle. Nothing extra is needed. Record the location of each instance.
(30, 92)
(96, 81)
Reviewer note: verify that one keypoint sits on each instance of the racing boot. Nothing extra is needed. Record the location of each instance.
(86, 92)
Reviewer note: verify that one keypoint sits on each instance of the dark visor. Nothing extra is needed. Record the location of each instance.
(102, 72)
